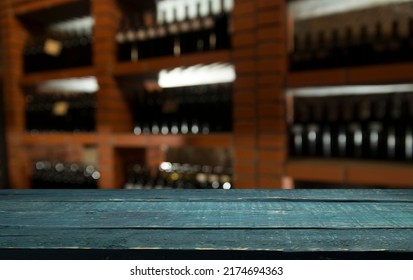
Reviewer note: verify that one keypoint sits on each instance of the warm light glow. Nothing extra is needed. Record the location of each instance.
(83, 24)
(306, 9)
(226, 186)
(84, 85)
(167, 6)
(350, 90)
(166, 166)
(197, 75)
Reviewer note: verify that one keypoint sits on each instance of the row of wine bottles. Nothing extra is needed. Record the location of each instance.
(341, 48)
(391, 107)
(179, 176)
(140, 37)
(186, 110)
(58, 50)
(382, 130)
(72, 112)
(64, 175)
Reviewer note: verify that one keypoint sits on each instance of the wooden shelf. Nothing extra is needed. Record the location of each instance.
(35, 78)
(23, 7)
(157, 64)
(375, 74)
(201, 141)
(351, 172)
(61, 138)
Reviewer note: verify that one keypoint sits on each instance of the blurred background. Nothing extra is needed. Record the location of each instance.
(206, 94)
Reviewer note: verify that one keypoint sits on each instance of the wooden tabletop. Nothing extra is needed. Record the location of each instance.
(202, 221)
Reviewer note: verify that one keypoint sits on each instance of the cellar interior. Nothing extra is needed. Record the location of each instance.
(206, 94)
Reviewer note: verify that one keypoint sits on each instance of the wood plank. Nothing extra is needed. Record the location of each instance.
(35, 78)
(316, 78)
(389, 175)
(279, 240)
(391, 73)
(267, 221)
(315, 171)
(350, 195)
(369, 74)
(142, 141)
(210, 215)
(129, 141)
(24, 7)
(61, 138)
(351, 172)
(157, 64)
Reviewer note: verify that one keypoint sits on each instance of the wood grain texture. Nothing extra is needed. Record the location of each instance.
(237, 220)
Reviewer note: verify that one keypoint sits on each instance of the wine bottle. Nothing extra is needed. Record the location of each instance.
(394, 46)
(137, 39)
(307, 59)
(379, 47)
(187, 35)
(30, 52)
(302, 117)
(162, 34)
(208, 25)
(295, 55)
(152, 42)
(364, 52)
(408, 42)
(320, 52)
(197, 31)
(174, 38)
(334, 56)
(349, 49)
(377, 137)
(296, 136)
(223, 28)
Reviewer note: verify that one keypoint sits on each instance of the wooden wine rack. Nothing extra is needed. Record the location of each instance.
(258, 53)
(259, 138)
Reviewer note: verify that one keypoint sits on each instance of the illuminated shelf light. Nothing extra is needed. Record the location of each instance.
(216, 73)
(306, 9)
(349, 90)
(84, 85)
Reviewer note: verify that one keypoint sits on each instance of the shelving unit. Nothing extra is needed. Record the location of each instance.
(359, 172)
(157, 64)
(377, 74)
(259, 131)
(36, 78)
(352, 172)
(259, 138)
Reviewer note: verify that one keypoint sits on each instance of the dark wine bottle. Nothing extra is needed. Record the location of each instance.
(174, 38)
(223, 28)
(187, 35)
(408, 42)
(320, 52)
(197, 30)
(162, 34)
(152, 41)
(349, 50)
(364, 51)
(379, 45)
(334, 56)
(307, 59)
(302, 117)
(137, 39)
(394, 44)
(295, 55)
(121, 41)
(209, 33)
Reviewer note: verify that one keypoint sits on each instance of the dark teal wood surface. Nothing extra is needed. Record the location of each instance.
(236, 220)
